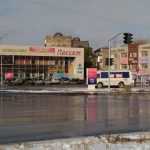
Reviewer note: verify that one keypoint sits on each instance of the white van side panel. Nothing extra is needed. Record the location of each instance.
(116, 81)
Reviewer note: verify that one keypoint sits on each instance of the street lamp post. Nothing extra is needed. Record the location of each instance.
(109, 57)
(1, 72)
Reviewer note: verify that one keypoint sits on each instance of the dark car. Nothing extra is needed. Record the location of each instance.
(28, 81)
(17, 81)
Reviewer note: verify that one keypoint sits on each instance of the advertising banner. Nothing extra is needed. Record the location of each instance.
(133, 54)
(91, 76)
(9, 75)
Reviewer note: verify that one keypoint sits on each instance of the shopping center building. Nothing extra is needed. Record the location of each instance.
(40, 62)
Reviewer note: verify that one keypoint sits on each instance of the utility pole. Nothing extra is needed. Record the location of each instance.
(109, 57)
(127, 40)
(1, 62)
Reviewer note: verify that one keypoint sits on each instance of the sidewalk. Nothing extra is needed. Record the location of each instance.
(70, 89)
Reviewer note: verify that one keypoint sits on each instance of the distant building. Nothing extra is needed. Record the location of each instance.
(60, 40)
(38, 62)
(134, 57)
(119, 58)
(77, 43)
(144, 59)
(102, 55)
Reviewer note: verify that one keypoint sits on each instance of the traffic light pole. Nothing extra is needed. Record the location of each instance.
(109, 57)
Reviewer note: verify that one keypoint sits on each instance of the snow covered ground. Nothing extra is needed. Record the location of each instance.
(132, 141)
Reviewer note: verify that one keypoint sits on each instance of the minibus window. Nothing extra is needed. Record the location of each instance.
(104, 74)
(125, 74)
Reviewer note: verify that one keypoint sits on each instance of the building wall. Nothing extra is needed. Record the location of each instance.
(60, 40)
(102, 54)
(144, 59)
(75, 57)
(120, 56)
(134, 57)
(76, 42)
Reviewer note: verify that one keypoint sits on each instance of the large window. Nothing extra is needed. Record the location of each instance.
(7, 59)
(124, 66)
(123, 54)
(115, 74)
(144, 66)
(144, 53)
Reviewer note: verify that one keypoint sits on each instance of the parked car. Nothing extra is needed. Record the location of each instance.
(64, 80)
(46, 82)
(39, 82)
(55, 81)
(15, 81)
(77, 81)
(28, 81)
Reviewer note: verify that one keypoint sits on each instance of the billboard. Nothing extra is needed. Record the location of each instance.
(133, 57)
(91, 76)
(9, 75)
(133, 54)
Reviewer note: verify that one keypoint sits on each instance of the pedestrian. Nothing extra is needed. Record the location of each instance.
(135, 82)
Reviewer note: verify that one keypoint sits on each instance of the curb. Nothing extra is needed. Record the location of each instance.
(73, 91)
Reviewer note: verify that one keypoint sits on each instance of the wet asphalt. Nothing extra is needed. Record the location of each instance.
(30, 117)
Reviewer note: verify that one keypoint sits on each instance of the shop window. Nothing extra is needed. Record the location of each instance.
(133, 54)
(144, 66)
(124, 66)
(7, 60)
(123, 54)
(116, 55)
(144, 53)
(66, 65)
(33, 61)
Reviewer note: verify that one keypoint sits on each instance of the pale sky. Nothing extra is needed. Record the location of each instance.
(28, 21)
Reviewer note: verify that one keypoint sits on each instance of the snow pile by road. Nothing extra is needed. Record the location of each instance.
(132, 141)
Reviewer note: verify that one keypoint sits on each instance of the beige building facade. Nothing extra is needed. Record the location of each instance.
(119, 57)
(144, 59)
(58, 40)
(133, 57)
(40, 62)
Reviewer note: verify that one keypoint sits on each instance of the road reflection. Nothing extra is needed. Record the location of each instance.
(73, 115)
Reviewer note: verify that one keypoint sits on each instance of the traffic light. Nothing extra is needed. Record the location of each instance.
(128, 38)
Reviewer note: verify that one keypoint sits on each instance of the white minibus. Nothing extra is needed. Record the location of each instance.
(117, 78)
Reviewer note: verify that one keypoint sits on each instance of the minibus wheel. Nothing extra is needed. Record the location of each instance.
(100, 85)
(121, 85)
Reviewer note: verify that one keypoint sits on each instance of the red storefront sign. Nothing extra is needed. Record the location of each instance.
(51, 50)
(56, 51)
(63, 52)
(34, 49)
(38, 49)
